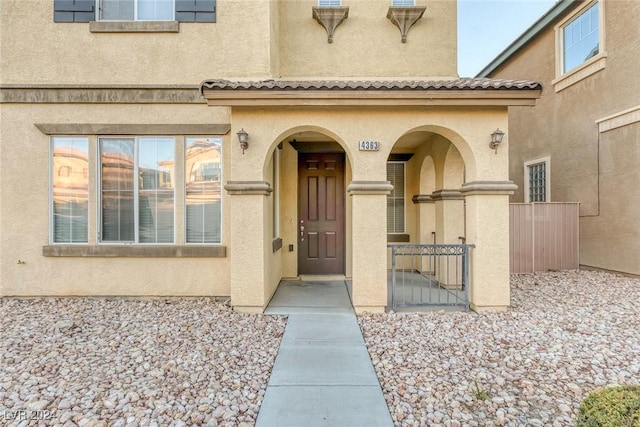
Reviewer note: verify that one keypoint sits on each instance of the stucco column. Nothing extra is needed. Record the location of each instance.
(247, 253)
(369, 236)
(488, 229)
(427, 218)
(449, 211)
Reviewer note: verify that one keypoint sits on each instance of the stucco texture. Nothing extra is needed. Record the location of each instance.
(277, 39)
(367, 43)
(594, 168)
(367, 255)
(25, 216)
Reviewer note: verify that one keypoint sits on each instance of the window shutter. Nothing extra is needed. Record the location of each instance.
(196, 10)
(74, 10)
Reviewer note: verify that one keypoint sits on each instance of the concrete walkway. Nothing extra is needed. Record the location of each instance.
(323, 374)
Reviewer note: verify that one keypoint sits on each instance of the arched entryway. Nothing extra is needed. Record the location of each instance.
(311, 210)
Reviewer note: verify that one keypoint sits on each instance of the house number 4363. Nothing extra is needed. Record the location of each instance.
(369, 146)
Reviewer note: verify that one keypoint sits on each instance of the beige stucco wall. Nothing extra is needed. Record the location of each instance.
(586, 166)
(289, 212)
(24, 211)
(68, 53)
(367, 43)
(273, 264)
(487, 225)
(289, 209)
(467, 128)
(616, 227)
(267, 127)
(254, 39)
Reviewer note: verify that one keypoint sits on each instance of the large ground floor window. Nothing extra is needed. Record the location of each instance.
(137, 190)
(203, 170)
(69, 189)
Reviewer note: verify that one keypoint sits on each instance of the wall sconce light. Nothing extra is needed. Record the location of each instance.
(496, 139)
(243, 138)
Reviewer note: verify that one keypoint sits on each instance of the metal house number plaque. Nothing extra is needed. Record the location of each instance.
(369, 146)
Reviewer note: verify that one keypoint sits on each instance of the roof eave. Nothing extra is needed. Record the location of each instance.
(472, 97)
(537, 27)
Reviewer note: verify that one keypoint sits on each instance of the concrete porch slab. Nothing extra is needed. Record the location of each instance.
(311, 294)
(284, 310)
(318, 406)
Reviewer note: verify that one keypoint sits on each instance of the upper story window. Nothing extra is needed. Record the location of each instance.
(580, 44)
(136, 10)
(329, 3)
(403, 3)
(130, 11)
(581, 38)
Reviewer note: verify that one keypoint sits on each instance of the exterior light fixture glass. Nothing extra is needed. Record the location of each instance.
(496, 139)
(243, 138)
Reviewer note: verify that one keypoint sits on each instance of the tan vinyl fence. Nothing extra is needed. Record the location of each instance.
(543, 236)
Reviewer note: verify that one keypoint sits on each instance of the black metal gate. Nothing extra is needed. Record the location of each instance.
(430, 275)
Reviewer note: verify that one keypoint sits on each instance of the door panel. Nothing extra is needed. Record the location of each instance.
(321, 211)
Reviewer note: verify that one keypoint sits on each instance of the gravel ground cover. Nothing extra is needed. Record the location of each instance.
(568, 333)
(118, 362)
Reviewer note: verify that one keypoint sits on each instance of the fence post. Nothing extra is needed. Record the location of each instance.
(393, 277)
(465, 274)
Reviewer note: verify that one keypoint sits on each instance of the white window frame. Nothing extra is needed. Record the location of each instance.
(404, 192)
(329, 3)
(136, 190)
(592, 65)
(135, 13)
(184, 190)
(547, 177)
(51, 181)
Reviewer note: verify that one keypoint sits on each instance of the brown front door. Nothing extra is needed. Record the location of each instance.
(321, 213)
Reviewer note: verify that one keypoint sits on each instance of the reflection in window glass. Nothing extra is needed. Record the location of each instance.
(137, 173)
(70, 192)
(581, 39)
(116, 10)
(203, 171)
(156, 190)
(117, 171)
(142, 10)
(155, 10)
(403, 3)
(329, 3)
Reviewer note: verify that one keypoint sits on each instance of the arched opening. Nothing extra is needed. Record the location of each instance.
(426, 217)
(309, 169)
(424, 166)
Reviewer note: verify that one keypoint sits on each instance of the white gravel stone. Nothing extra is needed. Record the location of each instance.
(566, 334)
(108, 361)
